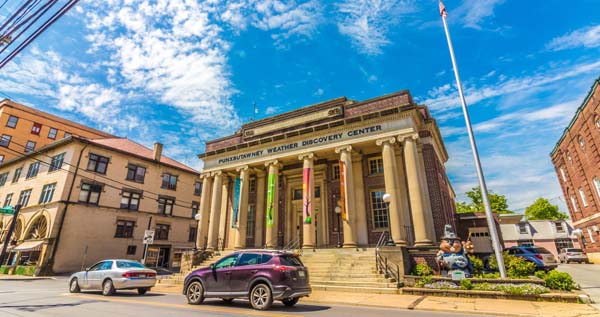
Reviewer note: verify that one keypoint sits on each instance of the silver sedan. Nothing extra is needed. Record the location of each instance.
(112, 275)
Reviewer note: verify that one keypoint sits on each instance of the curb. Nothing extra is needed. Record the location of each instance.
(37, 278)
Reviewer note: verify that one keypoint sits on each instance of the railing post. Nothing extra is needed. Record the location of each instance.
(387, 275)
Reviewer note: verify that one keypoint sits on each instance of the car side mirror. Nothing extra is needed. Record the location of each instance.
(212, 266)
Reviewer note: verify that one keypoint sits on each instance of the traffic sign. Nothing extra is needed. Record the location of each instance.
(7, 210)
(148, 236)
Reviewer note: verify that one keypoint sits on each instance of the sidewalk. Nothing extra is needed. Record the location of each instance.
(495, 307)
(4, 277)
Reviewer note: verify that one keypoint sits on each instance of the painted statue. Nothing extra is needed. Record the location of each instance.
(452, 256)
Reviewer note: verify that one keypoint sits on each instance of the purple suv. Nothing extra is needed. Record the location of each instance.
(259, 275)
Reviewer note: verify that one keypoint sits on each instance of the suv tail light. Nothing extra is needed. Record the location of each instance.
(539, 256)
(284, 268)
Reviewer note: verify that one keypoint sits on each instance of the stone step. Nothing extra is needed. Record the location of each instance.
(350, 289)
(354, 283)
(347, 275)
(362, 278)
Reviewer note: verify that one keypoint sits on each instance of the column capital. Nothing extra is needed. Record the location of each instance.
(273, 162)
(345, 148)
(310, 156)
(413, 136)
(383, 141)
(242, 169)
(217, 173)
(204, 176)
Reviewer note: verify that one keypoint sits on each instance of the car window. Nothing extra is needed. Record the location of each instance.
(249, 259)
(539, 250)
(226, 262)
(106, 266)
(130, 264)
(290, 260)
(515, 251)
(96, 266)
(574, 250)
(265, 258)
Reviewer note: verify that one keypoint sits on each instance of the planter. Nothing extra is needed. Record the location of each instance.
(25, 270)
(411, 280)
(548, 297)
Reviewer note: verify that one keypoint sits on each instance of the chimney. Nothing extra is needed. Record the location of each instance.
(157, 151)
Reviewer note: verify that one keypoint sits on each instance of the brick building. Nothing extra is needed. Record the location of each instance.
(24, 129)
(317, 175)
(576, 159)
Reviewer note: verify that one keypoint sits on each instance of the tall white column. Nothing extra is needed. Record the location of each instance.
(308, 199)
(240, 237)
(215, 211)
(272, 230)
(202, 232)
(350, 223)
(259, 214)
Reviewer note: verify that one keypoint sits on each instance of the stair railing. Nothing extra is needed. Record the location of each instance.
(383, 266)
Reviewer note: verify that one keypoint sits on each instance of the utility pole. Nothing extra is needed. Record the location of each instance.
(13, 224)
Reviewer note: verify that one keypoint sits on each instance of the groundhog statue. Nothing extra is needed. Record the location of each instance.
(453, 254)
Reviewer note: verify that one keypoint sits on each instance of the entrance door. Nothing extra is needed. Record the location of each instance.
(300, 229)
(163, 257)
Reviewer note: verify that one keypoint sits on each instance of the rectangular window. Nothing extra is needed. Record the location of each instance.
(583, 199)
(162, 232)
(192, 234)
(136, 173)
(169, 181)
(52, 133)
(375, 166)
(525, 243)
(36, 128)
(197, 188)
(335, 172)
(563, 244)
(380, 210)
(317, 192)
(90, 193)
(574, 203)
(523, 228)
(252, 185)
(1, 158)
(17, 175)
(29, 147)
(559, 227)
(57, 162)
(5, 141)
(12, 122)
(195, 207)
(563, 175)
(33, 170)
(3, 178)
(124, 229)
(7, 200)
(297, 194)
(130, 200)
(597, 185)
(97, 163)
(47, 193)
(251, 222)
(24, 197)
(131, 249)
(590, 233)
(165, 206)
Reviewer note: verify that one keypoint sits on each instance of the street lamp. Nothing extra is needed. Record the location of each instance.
(197, 217)
(338, 212)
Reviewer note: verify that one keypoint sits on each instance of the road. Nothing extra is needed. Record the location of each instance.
(50, 298)
(588, 277)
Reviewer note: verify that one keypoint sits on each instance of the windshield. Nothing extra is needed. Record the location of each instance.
(574, 250)
(130, 264)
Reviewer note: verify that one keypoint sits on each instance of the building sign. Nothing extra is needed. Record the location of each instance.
(315, 140)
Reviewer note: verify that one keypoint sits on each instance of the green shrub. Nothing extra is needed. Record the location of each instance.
(428, 279)
(488, 275)
(516, 267)
(540, 274)
(25, 270)
(514, 289)
(560, 281)
(477, 264)
(4, 269)
(466, 284)
(422, 269)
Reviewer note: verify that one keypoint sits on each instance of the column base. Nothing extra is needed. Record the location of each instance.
(350, 245)
(308, 246)
(210, 249)
(423, 243)
(400, 243)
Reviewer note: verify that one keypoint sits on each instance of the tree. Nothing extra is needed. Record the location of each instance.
(497, 202)
(542, 209)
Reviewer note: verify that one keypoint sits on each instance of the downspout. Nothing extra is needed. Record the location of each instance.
(64, 213)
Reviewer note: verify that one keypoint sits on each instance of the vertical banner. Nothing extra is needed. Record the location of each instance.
(306, 193)
(343, 190)
(270, 199)
(236, 202)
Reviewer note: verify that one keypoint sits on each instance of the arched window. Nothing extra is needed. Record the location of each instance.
(569, 158)
(597, 121)
(38, 229)
(581, 142)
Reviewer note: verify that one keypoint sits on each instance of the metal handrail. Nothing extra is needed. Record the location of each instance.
(381, 262)
(272, 242)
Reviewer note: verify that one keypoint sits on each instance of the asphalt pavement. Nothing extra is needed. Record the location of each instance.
(39, 298)
(588, 277)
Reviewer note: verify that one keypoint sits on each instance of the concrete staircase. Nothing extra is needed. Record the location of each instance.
(178, 278)
(346, 270)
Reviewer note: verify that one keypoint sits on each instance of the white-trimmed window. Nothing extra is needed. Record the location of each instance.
(574, 203)
(597, 185)
(591, 234)
(583, 199)
(581, 142)
(523, 228)
(562, 173)
(251, 221)
(375, 166)
(560, 228)
(12, 122)
(47, 193)
(569, 158)
(381, 214)
(335, 172)
(52, 133)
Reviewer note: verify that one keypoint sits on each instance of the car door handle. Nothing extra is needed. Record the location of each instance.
(253, 271)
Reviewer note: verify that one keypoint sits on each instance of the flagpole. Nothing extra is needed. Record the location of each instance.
(484, 191)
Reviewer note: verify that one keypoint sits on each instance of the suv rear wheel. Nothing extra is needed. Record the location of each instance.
(195, 293)
(261, 297)
(289, 302)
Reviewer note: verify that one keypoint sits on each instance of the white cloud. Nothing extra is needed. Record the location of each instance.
(319, 92)
(474, 13)
(272, 110)
(585, 37)
(367, 22)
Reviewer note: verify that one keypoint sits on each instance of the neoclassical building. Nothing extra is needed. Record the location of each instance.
(317, 177)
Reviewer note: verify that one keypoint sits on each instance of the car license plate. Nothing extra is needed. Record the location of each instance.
(142, 275)
(301, 274)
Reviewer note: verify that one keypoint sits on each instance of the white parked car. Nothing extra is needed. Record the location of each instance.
(111, 275)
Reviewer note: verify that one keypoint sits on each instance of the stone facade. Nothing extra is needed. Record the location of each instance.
(385, 145)
(576, 158)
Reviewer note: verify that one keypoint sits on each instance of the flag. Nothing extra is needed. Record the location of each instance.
(236, 202)
(443, 11)
(343, 191)
(270, 199)
(306, 195)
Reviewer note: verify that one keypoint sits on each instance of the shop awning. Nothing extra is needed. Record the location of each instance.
(29, 246)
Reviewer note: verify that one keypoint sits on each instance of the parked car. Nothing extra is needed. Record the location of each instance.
(261, 276)
(542, 258)
(112, 275)
(567, 255)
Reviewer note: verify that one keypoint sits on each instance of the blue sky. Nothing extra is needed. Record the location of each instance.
(184, 71)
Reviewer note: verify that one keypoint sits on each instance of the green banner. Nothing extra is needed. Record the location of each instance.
(237, 183)
(270, 199)
(7, 210)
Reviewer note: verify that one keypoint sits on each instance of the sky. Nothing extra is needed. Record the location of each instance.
(185, 71)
